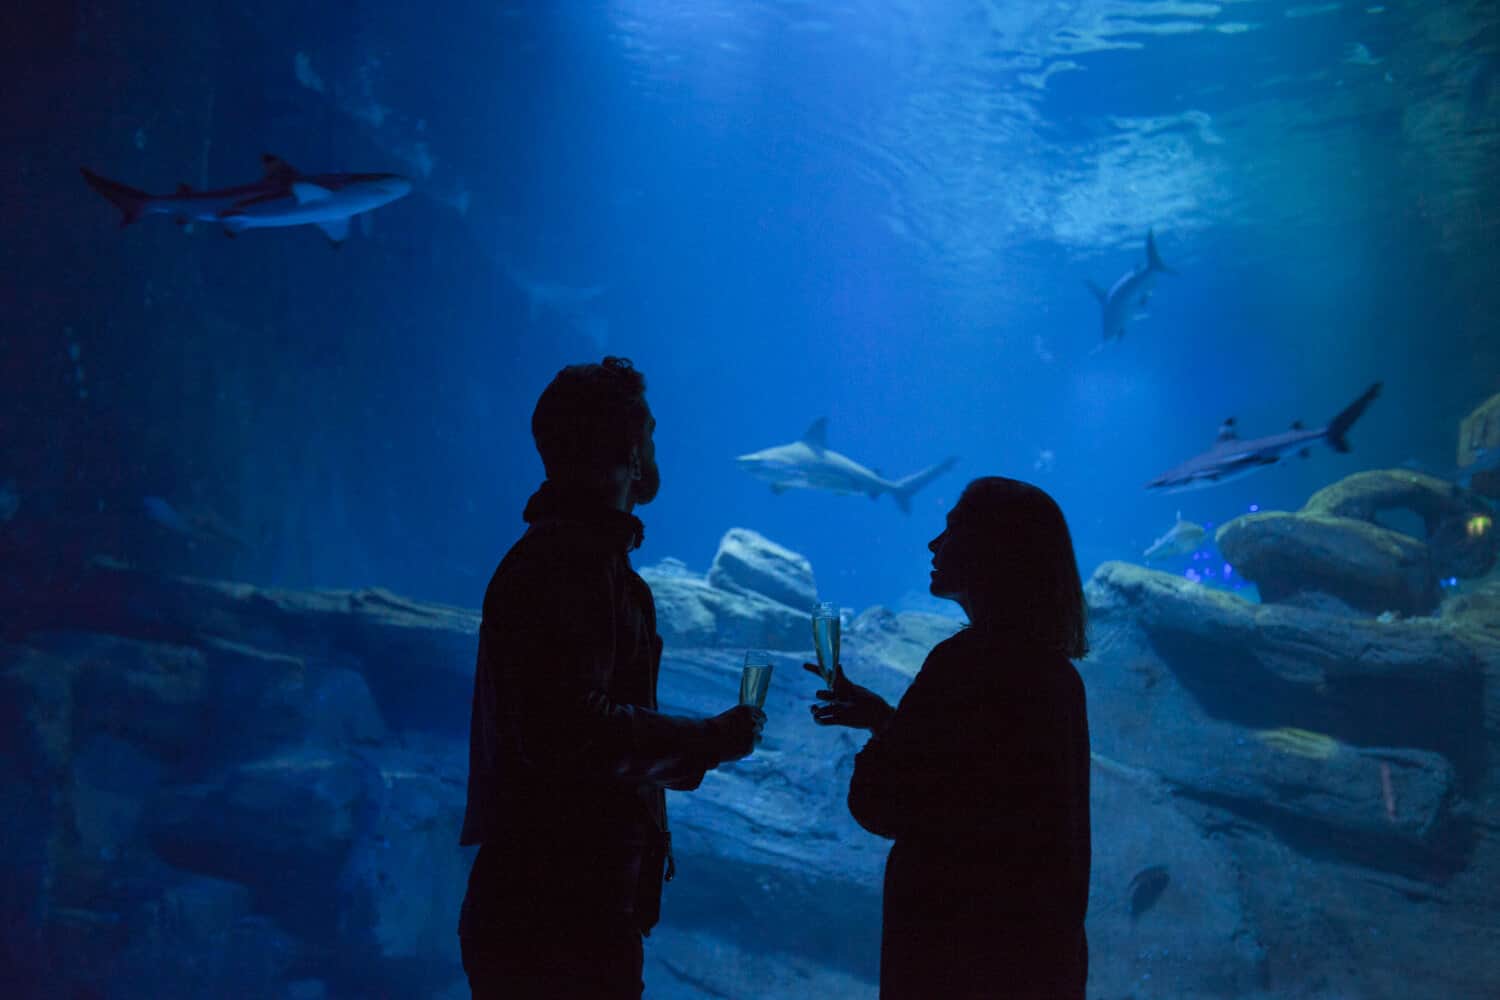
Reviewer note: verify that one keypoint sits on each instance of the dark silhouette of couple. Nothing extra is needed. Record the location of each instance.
(980, 775)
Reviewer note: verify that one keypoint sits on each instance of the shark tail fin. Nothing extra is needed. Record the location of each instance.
(904, 489)
(1153, 259)
(130, 202)
(1339, 425)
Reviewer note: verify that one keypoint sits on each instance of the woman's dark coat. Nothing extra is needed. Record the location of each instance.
(982, 780)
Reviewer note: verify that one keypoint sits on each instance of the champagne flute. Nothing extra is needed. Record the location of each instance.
(826, 627)
(755, 679)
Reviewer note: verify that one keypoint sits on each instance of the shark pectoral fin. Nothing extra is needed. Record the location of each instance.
(337, 230)
(778, 489)
(307, 192)
(1304, 453)
(1099, 293)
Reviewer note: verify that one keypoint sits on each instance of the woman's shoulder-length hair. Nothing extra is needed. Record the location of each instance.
(1025, 572)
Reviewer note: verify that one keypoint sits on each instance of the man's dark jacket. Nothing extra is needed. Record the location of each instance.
(567, 753)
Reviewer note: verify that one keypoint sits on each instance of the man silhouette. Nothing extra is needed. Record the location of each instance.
(568, 755)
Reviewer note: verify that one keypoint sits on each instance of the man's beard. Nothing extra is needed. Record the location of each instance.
(644, 489)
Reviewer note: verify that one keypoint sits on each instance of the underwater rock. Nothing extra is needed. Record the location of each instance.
(191, 938)
(1447, 511)
(1362, 564)
(902, 640)
(1336, 544)
(296, 812)
(404, 877)
(416, 659)
(686, 607)
(1477, 610)
(1479, 444)
(1375, 799)
(1198, 938)
(1260, 738)
(1364, 768)
(1407, 683)
(692, 612)
(748, 562)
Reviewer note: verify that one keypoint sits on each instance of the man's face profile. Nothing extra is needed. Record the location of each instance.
(644, 489)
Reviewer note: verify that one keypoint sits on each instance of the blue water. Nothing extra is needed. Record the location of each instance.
(883, 214)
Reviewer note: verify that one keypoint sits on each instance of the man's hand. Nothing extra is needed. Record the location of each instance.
(736, 731)
(848, 704)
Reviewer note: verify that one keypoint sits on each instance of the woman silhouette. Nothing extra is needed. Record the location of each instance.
(981, 774)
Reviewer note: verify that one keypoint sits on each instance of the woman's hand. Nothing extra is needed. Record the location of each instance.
(848, 704)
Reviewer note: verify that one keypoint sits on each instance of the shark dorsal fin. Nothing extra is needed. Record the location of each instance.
(306, 192)
(1227, 431)
(276, 168)
(1296, 425)
(816, 436)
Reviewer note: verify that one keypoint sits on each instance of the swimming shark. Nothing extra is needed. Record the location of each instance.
(283, 196)
(1130, 293)
(1231, 458)
(1183, 538)
(571, 304)
(811, 464)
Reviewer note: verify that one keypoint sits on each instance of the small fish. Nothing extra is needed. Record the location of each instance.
(1183, 538)
(196, 527)
(1146, 888)
(1046, 460)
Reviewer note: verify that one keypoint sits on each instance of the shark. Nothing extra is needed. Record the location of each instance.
(284, 196)
(1232, 457)
(1183, 538)
(1126, 297)
(810, 464)
(571, 304)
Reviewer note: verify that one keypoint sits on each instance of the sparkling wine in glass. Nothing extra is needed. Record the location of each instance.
(755, 679)
(825, 625)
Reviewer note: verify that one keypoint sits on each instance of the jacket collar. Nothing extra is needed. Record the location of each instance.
(555, 502)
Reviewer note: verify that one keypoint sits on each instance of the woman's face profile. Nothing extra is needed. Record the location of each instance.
(947, 549)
